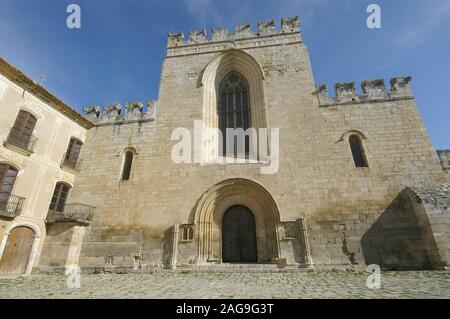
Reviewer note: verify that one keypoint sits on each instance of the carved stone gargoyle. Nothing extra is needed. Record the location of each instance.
(267, 27)
(133, 110)
(290, 24)
(92, 112)
(219, 34)
(400, 82)
(111, 111)
(198, 36)
(400, 87)
(243, 30)
(175, 39)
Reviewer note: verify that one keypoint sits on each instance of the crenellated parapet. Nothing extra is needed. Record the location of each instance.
(243, 36)
(115, 114)
(111, 112)
(444, 158)
(372, 91)
(400, 86)
(92, 112)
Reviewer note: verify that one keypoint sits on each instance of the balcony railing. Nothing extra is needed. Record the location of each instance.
(22, 141)
(10, 205)
(72, 213)
(71, 162)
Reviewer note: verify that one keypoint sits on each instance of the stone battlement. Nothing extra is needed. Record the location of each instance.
(373, 91)
(444, 158)
(114, 114)
(244, 36)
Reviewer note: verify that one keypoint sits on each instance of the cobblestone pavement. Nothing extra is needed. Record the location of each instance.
(179, 285)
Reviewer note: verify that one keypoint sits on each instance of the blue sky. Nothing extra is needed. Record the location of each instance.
(116, 56)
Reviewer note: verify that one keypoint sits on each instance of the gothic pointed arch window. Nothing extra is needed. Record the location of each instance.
(234, 113)
(357, 148)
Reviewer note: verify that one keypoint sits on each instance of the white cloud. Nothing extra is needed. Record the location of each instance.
(425, 24)
(202, 10)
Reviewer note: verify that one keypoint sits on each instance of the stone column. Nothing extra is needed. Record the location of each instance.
(173, 258)
(305, 241)
(76, 243)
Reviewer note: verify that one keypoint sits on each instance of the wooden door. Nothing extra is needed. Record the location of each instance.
(17, 253)
(239, 236)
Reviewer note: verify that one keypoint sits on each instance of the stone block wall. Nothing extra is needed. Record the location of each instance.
(444, 158)
(57, 245)
(432, 207)
(348, 209)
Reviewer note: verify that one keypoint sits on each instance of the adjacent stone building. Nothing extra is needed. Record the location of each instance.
(444, 157)
(347, 180)
(37, 156)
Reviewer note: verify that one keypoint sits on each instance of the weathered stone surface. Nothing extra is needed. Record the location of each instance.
(352, 215)
(220, 285)
(318, 210)
(444, 158)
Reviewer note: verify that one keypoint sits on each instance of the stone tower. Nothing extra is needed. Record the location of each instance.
(324, 206)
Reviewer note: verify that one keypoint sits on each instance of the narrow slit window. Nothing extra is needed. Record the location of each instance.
(358, 151)
(127, 166)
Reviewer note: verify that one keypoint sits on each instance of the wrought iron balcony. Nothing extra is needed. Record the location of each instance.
(22, 142)
(71, 162)
(71, 213)
(10, 205)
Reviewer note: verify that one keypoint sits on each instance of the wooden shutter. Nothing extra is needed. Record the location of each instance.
(59, 197)
(25, 124)
(73, 152)
(8, 176)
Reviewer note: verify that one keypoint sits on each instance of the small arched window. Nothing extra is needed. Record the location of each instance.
(358, 151)
(126, 171)
(59, 197)
(234, 111)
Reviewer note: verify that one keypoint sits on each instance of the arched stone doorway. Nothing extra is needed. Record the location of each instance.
(239, 236)
(17, 252)
(214, 204)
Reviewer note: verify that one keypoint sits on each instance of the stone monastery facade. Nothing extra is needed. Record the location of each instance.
(358, 181)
